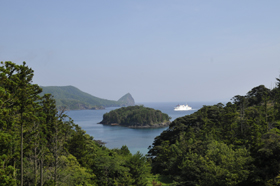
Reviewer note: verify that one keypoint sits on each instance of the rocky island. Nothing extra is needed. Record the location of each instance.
(136, 117)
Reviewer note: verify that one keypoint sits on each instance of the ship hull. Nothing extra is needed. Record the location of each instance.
(182, 108)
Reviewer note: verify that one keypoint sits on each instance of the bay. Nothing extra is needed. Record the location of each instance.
(117, 136)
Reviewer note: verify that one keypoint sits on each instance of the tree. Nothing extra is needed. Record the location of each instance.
(6, 170)
(36, 137)
(218, 165)
(267, 157)
(27, 94)
(138, 168)
(255, 95)
(277, 99)
(16, 80)
(48, 117)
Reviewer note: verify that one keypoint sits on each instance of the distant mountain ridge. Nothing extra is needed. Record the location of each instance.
(74, 99)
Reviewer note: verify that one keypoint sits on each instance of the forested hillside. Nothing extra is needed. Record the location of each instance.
(72, 98)
(233, 144)
(40, 145)
(136, 117)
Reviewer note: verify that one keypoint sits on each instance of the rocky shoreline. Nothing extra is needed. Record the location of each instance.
(145, 126)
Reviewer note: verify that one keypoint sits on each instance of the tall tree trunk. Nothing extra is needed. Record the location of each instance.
(21, 154)
(41, 171)
(55, 156)
(35, 167)
(14, 174)
(36, 146)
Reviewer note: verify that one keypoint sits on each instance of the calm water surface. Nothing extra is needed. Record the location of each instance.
(116, 136)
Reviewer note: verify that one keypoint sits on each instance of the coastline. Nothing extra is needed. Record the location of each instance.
(145, 126)
(115, 136)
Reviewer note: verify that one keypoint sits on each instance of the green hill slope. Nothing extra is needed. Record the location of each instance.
(74, 99)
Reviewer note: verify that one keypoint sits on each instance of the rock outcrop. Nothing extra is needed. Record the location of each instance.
(127, 100)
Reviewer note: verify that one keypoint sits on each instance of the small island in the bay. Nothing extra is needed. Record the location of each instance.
(136, 117)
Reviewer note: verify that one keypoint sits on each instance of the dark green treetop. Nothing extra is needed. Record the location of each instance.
(233, 144)
(40, 145)
(135, 116)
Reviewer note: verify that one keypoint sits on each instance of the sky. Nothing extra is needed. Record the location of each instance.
(156, 50)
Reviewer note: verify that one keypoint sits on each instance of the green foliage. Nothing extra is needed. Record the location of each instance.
(159, 180)
(232, 144)
(111, 167)
(135, 116)
(138, 168)
(19, 100)
(218, 164)
(54, 151)
(6, 155)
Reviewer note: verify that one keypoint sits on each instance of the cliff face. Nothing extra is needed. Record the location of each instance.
(127, 100)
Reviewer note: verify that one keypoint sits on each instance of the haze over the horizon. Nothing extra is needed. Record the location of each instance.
(156, 50)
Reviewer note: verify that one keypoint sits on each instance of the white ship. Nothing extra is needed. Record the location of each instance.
(182, 108)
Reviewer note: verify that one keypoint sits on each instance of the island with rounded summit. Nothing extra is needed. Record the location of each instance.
(136, 117)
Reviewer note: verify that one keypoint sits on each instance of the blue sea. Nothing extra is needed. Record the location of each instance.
(117, 136)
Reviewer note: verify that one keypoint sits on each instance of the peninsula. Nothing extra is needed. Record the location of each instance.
(72, 98)
(136, 117)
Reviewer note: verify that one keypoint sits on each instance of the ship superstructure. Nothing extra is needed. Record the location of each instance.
(182, 108)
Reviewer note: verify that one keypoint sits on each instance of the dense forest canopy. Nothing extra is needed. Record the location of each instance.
(40, 145)
(136, 116)
(233, 144)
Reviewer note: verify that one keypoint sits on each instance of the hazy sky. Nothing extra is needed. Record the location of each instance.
(157, 50)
